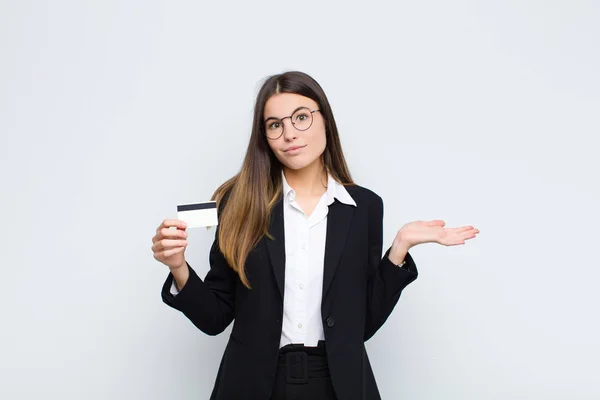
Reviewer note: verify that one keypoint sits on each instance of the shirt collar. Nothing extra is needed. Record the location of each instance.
(335, 190)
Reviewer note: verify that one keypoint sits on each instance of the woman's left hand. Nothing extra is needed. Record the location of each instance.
(434, 231)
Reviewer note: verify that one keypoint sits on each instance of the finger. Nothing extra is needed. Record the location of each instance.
(460, 229)
(172, 233)
(470, 228)
(470, 235)
(167, 223)
(169, 233)
(465, 235)
(168, 244)
(170, 252)
(469, 231)
(452, 241)
(457, 236)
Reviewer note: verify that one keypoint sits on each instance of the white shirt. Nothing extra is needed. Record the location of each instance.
(304, 264)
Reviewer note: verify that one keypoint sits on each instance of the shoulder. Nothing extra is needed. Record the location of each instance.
(363, 196)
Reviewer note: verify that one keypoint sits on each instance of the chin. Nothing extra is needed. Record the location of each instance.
(296, 166)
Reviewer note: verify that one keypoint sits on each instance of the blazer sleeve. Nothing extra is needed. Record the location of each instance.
(208, 303)
(386, 280)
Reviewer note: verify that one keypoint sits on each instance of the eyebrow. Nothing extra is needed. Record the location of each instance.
(289, 115)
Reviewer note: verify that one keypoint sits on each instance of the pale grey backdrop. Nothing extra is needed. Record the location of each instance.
(476, 112)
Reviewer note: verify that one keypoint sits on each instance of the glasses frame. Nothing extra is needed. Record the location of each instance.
(280, 120)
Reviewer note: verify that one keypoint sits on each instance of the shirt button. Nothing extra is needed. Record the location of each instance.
(300, 326)
(301, 286)
(303, 246)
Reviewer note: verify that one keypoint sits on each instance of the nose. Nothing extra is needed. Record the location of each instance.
(289, 131)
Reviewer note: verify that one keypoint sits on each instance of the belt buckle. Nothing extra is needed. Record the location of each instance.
(296, 367)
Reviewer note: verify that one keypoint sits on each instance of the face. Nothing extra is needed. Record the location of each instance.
(295, 149)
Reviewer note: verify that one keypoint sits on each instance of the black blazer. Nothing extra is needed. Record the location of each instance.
(360, 290)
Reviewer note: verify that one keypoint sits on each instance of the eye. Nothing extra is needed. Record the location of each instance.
(273, 125)
(301, 117)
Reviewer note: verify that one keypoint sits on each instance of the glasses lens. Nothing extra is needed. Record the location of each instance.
(302, 119)
(273, 128)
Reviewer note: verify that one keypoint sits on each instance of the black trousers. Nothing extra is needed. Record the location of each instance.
(303, 373)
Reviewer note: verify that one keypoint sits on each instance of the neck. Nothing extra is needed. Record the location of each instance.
(308, 181)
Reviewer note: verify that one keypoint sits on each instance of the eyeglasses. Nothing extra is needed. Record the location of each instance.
(302, 119)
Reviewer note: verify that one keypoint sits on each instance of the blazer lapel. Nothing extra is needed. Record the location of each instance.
(339, 220)
(276, 246)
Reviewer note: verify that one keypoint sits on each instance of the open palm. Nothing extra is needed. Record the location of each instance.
(434, 231)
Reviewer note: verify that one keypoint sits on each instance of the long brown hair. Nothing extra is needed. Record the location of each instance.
(252, 193)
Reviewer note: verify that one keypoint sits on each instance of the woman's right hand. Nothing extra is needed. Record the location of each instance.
(169, 245)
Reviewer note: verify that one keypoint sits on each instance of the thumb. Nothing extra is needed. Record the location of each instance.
(436, 222)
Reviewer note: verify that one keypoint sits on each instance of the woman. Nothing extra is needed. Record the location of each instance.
(296, 260)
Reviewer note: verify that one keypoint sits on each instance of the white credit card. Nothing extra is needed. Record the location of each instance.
(198, 214)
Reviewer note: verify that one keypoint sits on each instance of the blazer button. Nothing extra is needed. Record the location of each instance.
(330, 322)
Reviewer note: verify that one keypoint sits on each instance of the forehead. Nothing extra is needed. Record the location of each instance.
(283, 104)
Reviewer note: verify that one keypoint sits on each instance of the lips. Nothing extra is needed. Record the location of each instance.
(293, 148)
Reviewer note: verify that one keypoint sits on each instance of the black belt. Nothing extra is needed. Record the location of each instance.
(298, 363)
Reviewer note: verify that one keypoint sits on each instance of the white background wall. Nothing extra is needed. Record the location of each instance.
(483, 113)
